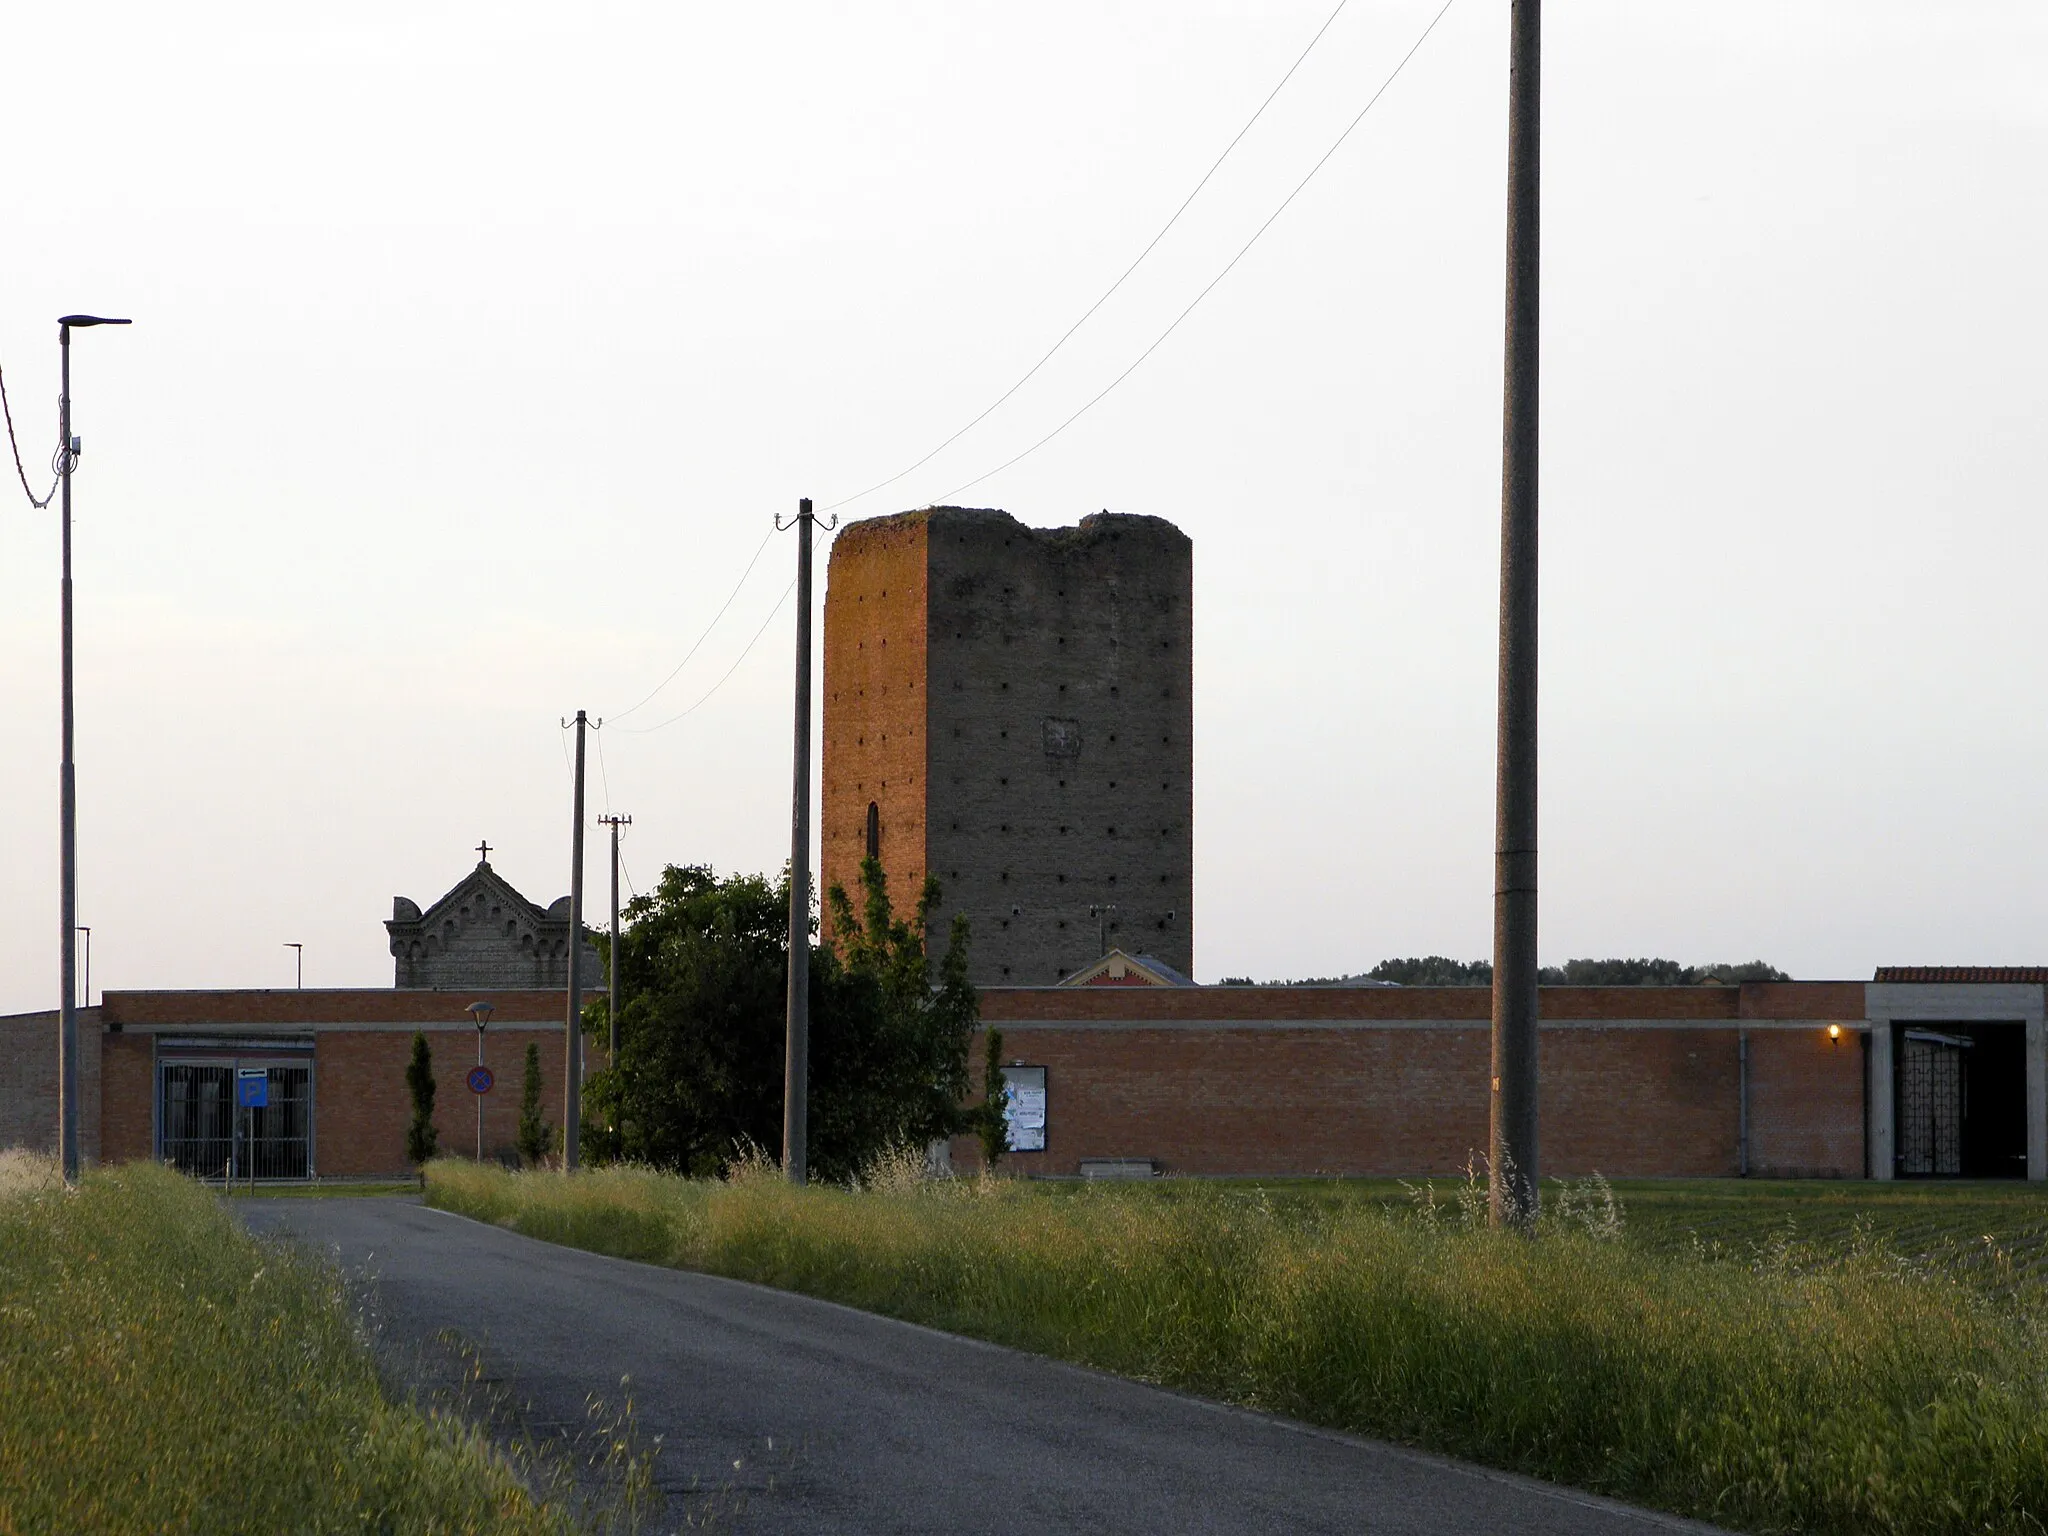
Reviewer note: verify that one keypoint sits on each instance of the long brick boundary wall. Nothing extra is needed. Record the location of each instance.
(362, 1041)
(28, 1082)
(1637, 1081)
(1642, 1082)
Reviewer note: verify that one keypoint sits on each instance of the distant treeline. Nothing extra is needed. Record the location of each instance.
(1442, 971)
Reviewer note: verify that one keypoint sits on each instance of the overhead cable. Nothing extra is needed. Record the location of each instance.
(706, 696)
(707, 628)
(15, 443)
(1112, 288)
(1275, 214)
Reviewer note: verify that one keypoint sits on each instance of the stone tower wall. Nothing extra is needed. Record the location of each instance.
(1035, 734)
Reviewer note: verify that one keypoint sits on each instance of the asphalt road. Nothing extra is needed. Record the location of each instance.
(780, 1413)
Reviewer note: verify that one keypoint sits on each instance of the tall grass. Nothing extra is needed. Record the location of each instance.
(1788, 1391)
(161, 1370)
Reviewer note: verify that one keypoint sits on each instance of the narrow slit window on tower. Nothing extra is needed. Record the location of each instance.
(874, 830)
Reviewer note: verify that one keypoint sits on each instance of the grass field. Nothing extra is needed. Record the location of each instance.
(1989, 1231)
(1782, 1357)
(161, 1370)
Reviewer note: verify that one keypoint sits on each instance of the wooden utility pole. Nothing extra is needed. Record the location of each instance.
(572, 1072)
(796, 1072)
(1511, 1158)
(612, 979)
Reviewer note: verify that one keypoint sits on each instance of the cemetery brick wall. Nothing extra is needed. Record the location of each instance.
(1271, 1080)
(28, 1082)
(128, 1068)
(362, 1044)
(363, 1106)
(1638, 1082)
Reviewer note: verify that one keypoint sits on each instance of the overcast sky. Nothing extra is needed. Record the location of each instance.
(476, 347)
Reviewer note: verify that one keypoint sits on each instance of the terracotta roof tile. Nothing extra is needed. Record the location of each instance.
(1941, 973)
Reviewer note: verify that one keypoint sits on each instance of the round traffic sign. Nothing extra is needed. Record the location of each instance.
(480, 1079)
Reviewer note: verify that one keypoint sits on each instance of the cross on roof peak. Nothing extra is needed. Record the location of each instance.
(483, 853)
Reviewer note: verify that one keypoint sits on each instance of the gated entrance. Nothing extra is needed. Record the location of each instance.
(1961, 1101)
(201, 1131)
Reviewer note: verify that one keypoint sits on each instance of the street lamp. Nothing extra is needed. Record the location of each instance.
(67, 792)
(481, 1012)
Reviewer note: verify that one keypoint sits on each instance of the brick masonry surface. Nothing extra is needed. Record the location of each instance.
(364, 1108)
(1637, 1081)
(28, 1082)
(1017, 705)
(362, 1043)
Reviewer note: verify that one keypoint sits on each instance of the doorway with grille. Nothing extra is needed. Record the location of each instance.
(1960, 1101)
(200, 1130)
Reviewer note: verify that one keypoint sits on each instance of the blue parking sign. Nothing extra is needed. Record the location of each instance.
(252, 1088)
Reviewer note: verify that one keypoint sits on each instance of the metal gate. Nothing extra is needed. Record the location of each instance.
(201, 1132)
(1931, 1103)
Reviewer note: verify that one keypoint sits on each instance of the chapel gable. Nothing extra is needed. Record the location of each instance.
(483, 933)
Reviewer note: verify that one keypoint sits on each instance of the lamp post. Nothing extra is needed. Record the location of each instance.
(481, 1012)
(67, 782)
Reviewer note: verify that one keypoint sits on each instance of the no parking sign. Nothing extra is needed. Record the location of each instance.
(480, 1080)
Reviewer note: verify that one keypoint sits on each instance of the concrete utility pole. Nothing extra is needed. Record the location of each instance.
(1512, 1150)
(67, 784)
(572, 1073)
(612, 1011)
(796, 1072)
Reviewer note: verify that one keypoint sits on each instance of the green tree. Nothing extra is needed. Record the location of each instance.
(533, 1129)
(889, 1045)
(699, 1076)
(1434, 971)
(990, 1123)
(421, 1139)
(1437, 971)
(1652, 973)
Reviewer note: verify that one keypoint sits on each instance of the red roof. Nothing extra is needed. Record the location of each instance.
(1939, 973)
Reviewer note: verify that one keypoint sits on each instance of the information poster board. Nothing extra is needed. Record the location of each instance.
(1024, 1108)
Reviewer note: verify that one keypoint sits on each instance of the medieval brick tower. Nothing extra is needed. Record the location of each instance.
(1011, 708)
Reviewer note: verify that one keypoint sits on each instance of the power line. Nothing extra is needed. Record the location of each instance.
(1068, 334)
(672, 719)
(603, 777)
(1291, 196)
(707, 628)
(15, 443)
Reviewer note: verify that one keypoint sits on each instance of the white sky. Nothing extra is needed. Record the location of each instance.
(475, 346)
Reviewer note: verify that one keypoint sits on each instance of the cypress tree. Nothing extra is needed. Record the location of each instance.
(421, 1139)
(533, 1130)
(990, 1124)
